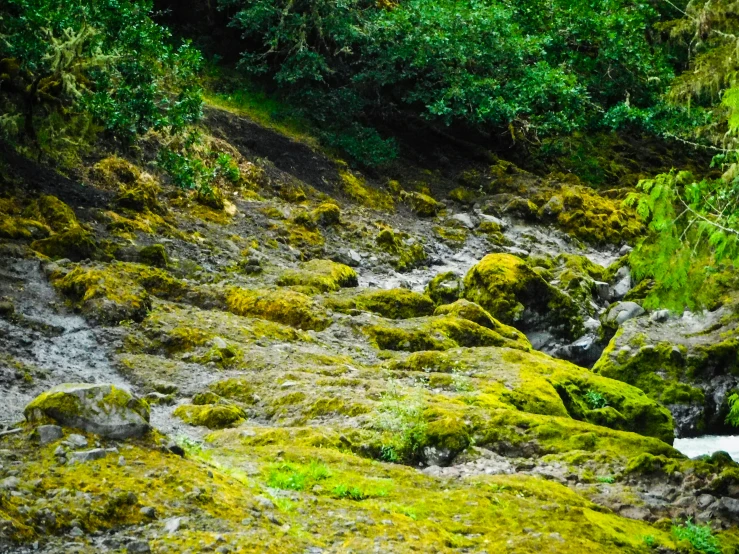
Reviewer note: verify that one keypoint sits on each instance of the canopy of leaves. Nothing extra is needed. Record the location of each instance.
(106, 58)
(535, 67)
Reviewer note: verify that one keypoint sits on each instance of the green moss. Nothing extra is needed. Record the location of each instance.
(505, 286)
(594, 218)
(445, 288)
(326, 214)
(155, 256)
(406, 256)
(76, 244)
(53, 406)
(392, 303)
(473, 312)
(421, 204)
(451, 235)
(282, 306)
(649, 463)
(53, 213)
(437, 333)
(463, 196)
(117, 291)
(356, 188)
(210, 416)
(320, 275)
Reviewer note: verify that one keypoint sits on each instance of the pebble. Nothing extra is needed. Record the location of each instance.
(76, 441)
(148, 511)
(49, 433)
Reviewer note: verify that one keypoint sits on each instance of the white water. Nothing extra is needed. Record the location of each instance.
(708, 445)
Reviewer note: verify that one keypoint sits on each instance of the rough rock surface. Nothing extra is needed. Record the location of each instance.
(101, 409)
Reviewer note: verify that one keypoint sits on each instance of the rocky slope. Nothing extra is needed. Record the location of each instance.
(332, 363)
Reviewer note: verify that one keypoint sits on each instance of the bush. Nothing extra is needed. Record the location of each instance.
(105, 58)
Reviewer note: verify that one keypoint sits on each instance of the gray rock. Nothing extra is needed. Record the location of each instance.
(635, 512)
(49, 433)
(148, 511)
(172, 525)
(466, 220)
(660, 316)
(101, 409)
(265, 503)
(10, 484)
(622, 284)
(87, 455)
(76, 441)
(602, 290)
(625, 249)
(620, 312)
(138, 547)
(705, 500)
(60, 452)
(729, 506)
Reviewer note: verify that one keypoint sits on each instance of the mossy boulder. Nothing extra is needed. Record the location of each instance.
(118, 291)
(326, 214)
(155, 256)
(390, 303)
(75, 244)
(105, 410)
(583, 213)
(445, 288)
(437, 333)
(475, 313)
(690, 364)
(212, 416)
(53, 213)
(320, 275)
(421, 204)
(535, 383)
(511, 291)
(406, 253)
(282, 306)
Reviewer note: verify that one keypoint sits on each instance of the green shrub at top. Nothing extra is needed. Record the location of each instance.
(535, 67)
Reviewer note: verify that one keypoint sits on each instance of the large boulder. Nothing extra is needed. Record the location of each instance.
(102, 409)
(687, 362)
(515, 294)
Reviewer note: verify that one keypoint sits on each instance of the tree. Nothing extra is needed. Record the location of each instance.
(107, 60)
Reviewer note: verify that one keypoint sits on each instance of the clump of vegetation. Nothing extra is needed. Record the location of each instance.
(700, 537)
(65, 66)
(401, 415)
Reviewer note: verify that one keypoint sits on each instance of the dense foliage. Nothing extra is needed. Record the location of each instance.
(105, 61)
(695, 223)
(534, 68)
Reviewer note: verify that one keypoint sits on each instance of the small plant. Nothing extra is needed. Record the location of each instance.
(732, 418)
(227, 166)
(609, 479)
(288, 476)
(353, 493)
(649, 540)
(461, 382)
(700, 537)
(402, 414)
(595, 400)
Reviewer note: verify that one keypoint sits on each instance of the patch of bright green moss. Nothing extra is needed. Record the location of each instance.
(282, 306)
(391, 303)
(321, 275)
(212, 416)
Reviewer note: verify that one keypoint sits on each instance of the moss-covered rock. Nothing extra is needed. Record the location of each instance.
(101, 409)
(326, 214)
(53, 213)
(475, 313)
(391, 303)
(76, 244)
(507, 287)
(282, 306)
(406, 254)
(320, 275)
(689, 368)
(438, 333)
(210, 415)
(445, 288)
(155, 256)
(116, 291)
(421, 204)
(535, 383)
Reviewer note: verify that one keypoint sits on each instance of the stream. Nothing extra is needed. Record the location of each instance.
(708, 444)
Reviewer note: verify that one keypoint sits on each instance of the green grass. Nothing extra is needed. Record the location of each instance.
(288, 476)
(700, 537)
(267, 111)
